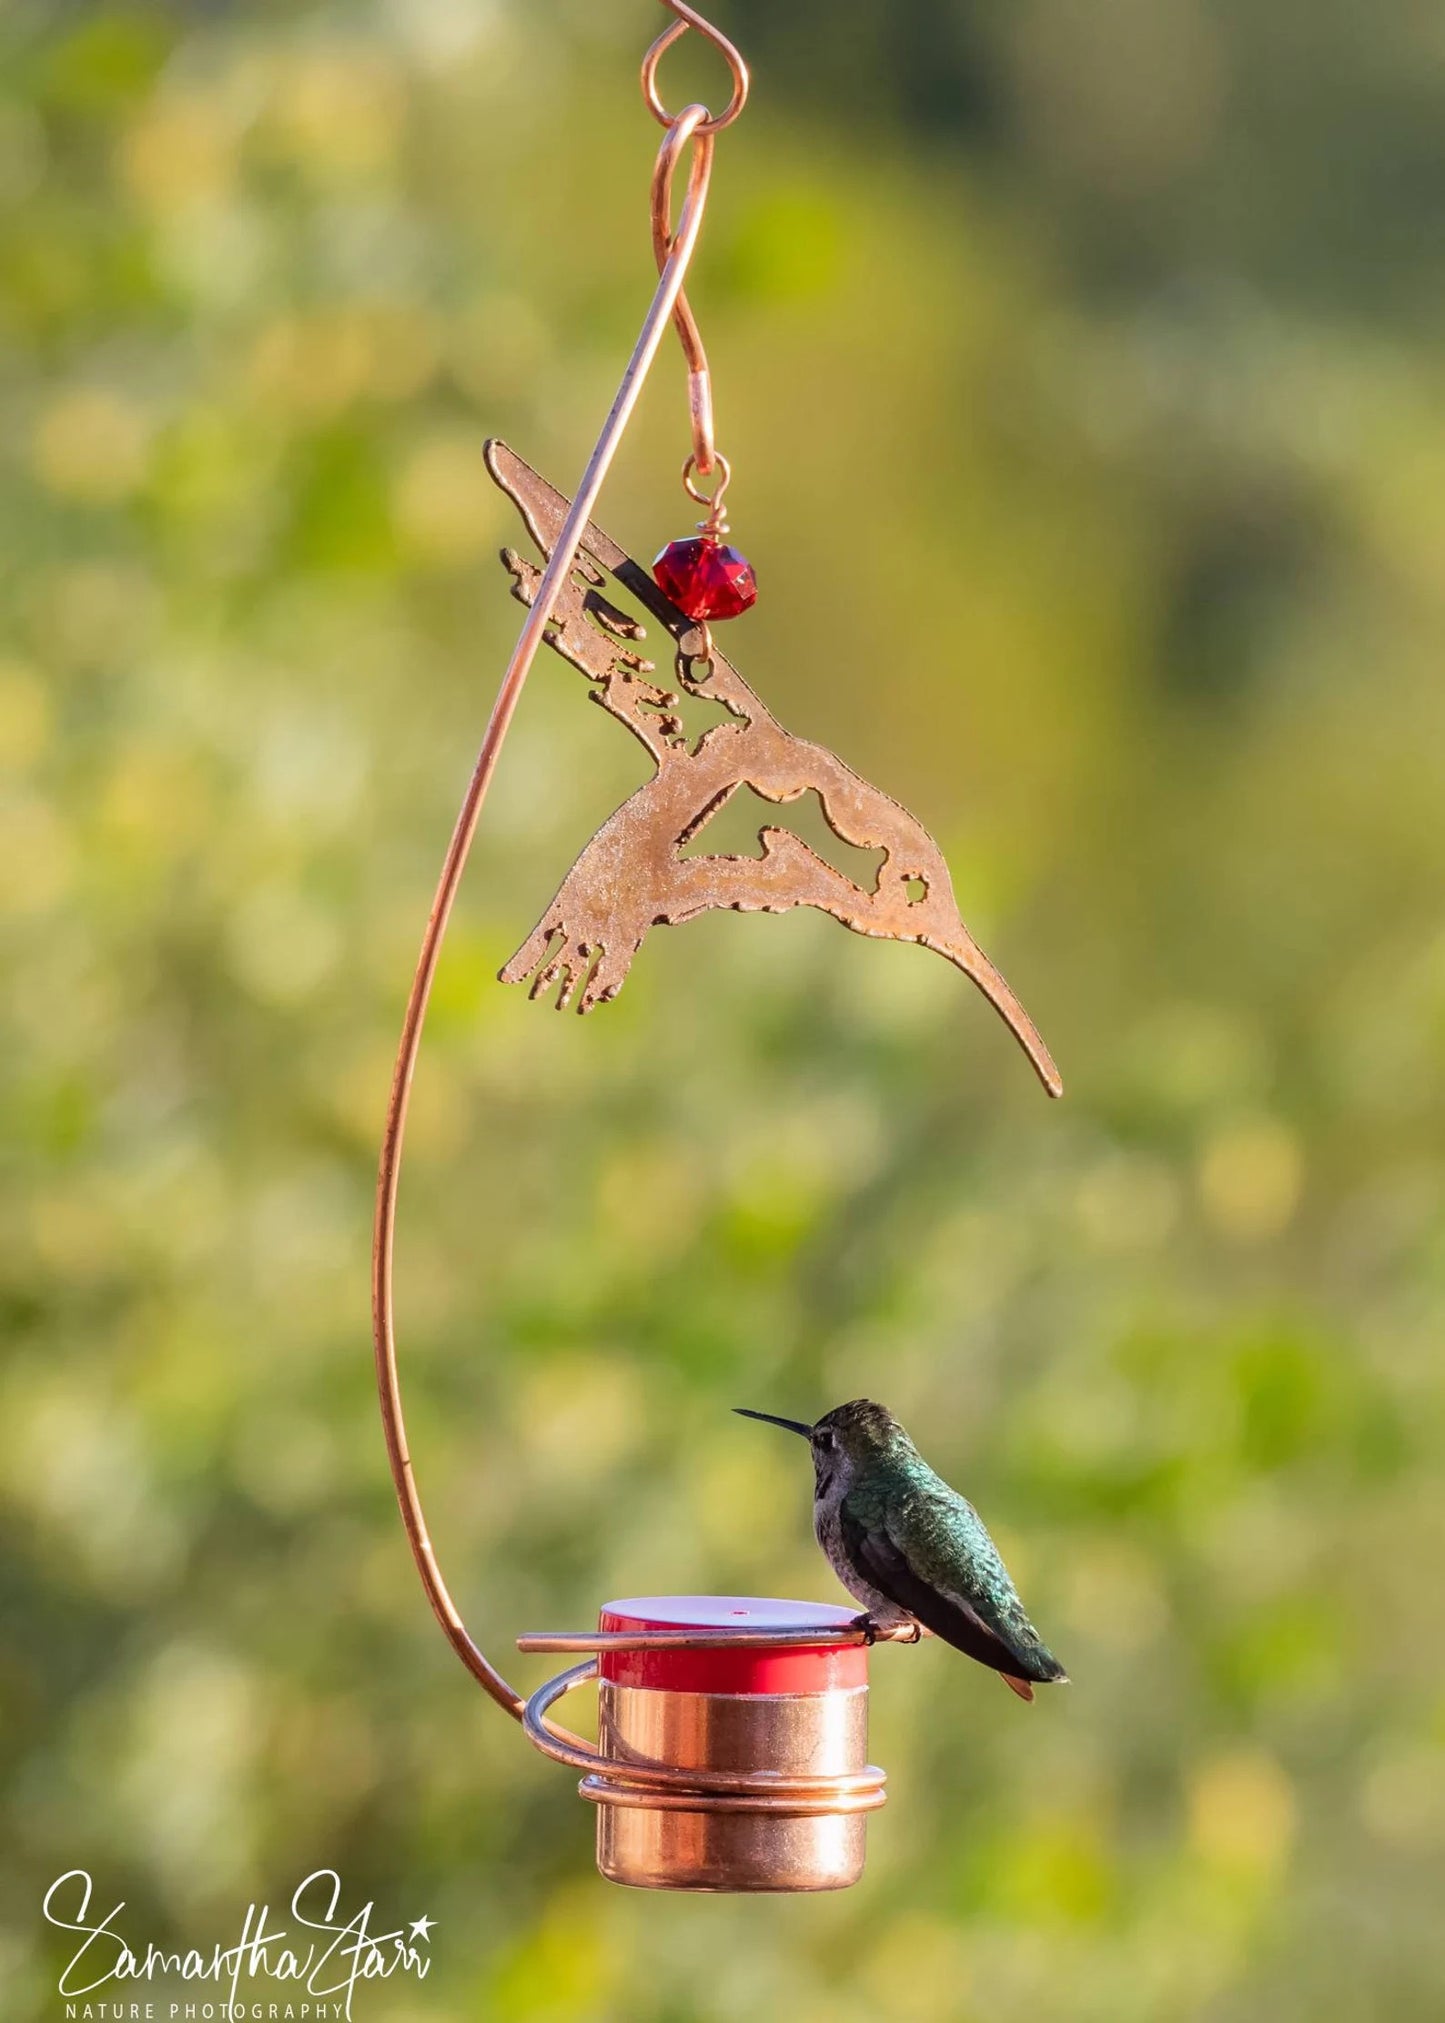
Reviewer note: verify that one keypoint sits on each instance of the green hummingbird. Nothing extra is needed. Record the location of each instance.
(910, 1548)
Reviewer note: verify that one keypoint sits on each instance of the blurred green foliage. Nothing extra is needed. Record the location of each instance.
(1081, 372)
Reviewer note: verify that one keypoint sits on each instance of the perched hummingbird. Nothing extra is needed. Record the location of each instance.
(910, 1548)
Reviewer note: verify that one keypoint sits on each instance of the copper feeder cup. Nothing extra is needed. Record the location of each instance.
(733, 1742)
(796, 1710)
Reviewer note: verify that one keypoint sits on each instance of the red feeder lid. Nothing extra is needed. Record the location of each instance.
(769, 1668)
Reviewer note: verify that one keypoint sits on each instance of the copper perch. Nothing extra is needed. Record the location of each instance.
(633, 874)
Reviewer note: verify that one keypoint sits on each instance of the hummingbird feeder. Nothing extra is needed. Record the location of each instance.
(733, 1730)
(734, 1742)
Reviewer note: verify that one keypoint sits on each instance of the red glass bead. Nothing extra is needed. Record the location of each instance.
(705, 579)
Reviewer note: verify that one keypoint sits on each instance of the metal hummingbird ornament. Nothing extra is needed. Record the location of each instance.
(633, 874)
(732, 1730)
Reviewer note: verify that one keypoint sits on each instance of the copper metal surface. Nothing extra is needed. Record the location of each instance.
(634, 874)
(721, 1791)
(742, 1841)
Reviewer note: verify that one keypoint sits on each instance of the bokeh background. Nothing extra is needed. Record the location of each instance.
(1081, 368)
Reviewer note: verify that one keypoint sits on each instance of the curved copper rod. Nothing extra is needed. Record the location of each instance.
(691, 124)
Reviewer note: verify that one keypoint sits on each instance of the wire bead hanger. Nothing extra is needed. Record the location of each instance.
(682, 127)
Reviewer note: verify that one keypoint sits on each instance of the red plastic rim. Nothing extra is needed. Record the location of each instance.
(777, 1668)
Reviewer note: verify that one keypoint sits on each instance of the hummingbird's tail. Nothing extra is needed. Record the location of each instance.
(1020, 1686)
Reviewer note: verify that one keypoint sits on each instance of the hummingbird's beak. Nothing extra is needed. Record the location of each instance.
(961, 949)
(772, 1419)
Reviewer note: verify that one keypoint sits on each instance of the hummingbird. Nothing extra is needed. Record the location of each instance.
(910, 1548)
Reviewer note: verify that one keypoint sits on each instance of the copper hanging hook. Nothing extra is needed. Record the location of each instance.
(688, 17)
(699, 379)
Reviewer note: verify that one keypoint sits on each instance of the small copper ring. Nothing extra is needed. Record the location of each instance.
(600, 1790)
(687, 18)
(724, 471)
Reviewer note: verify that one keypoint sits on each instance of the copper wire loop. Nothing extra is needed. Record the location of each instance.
(600, 1790)
(687, 18)
(725, 472)
(698, 121)
(691, 123)
(615, 1781)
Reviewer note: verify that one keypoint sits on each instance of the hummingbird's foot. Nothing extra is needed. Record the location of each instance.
(895, 1633)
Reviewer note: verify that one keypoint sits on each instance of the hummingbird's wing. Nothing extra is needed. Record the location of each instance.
(928, 1551)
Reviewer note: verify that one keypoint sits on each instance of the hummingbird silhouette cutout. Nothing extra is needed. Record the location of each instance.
(633, 875)
(910, 1548)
